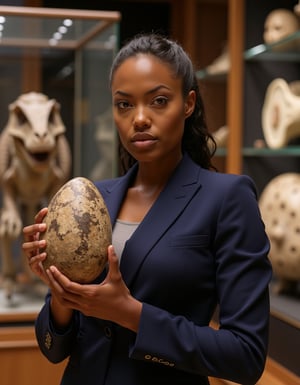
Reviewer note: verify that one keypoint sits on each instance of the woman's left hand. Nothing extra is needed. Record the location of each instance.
(110, 300)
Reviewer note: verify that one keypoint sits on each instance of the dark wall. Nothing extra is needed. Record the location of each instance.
(144, 16)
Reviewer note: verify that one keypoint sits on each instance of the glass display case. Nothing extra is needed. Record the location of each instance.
(65, 54)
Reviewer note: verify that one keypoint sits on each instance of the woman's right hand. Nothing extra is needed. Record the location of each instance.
(33, 245)
(32, 248)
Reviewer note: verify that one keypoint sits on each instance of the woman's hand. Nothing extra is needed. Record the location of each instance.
(110, 300)
(32, 245)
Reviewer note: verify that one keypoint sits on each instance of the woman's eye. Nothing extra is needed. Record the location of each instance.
(160, 101)
(122, 105)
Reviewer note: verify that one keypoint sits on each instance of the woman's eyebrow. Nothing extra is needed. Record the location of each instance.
(122, 93)
(151, 91)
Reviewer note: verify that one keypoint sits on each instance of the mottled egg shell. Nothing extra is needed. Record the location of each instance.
(78, 231)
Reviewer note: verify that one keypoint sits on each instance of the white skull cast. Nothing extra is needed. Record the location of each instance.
(281, 113)
(279, 24)
(280, 208)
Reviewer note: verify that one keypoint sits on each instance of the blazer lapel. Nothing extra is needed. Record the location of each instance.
(115, 193)
(170, 204)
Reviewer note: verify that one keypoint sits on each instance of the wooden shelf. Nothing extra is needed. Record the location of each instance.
(274, 374)
(21, 361)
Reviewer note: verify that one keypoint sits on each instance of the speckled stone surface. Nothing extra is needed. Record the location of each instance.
(78, 231)
(280, 208)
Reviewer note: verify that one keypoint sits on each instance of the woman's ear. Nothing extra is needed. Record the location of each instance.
(189, 104)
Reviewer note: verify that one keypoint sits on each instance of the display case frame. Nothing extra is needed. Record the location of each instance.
(72, 68)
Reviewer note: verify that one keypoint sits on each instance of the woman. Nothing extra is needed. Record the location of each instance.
(186, 240)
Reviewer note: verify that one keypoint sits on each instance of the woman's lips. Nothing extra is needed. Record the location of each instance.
(142, 136)
(143, 140)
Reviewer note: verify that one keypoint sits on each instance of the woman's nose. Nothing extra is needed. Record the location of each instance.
(141, 119)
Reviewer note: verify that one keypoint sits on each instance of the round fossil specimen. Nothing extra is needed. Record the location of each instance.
(78, 231)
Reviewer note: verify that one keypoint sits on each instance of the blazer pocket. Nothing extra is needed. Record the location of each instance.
(185, 241)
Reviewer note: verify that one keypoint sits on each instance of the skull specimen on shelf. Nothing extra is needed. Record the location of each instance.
(280, 208)
(279, 24)
(281, 113)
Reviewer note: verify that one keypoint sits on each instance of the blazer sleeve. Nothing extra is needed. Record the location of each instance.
(54, 344)
(237, 349)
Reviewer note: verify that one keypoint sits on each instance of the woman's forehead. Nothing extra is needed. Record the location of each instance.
(145, 61)
(143, 65)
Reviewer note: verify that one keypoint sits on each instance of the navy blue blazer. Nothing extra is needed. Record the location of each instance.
(201, 245)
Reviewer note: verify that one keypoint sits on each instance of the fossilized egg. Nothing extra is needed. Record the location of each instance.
(78, 231)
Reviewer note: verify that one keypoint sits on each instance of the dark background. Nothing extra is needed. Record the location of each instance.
(136, 17)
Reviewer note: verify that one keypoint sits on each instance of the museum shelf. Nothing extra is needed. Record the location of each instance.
(284, 151)
(203, 74)
(250, 72)
(22, 307)
(222, 151)
(289, 151)
(222, 92)
(262, 64)
(245, 129)
(287, 49)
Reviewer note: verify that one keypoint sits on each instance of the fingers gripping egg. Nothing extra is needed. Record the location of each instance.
(78, 231)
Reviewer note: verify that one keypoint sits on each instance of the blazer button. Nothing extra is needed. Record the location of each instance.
(48, 341)
(107, 332)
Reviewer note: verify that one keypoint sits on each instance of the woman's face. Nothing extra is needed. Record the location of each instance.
(149, 109)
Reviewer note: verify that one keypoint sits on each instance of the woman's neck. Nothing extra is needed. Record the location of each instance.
(152, 177)
(148, 184)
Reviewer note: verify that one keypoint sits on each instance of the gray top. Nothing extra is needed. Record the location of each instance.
(121, 232)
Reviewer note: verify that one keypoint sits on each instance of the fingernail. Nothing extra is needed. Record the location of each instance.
(42, 243)
(112, 248)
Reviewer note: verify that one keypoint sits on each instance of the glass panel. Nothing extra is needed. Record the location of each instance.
(44, 29)
(287, 49)
(98, 137)
(252, 151)
(65, 54)
(285, 151)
